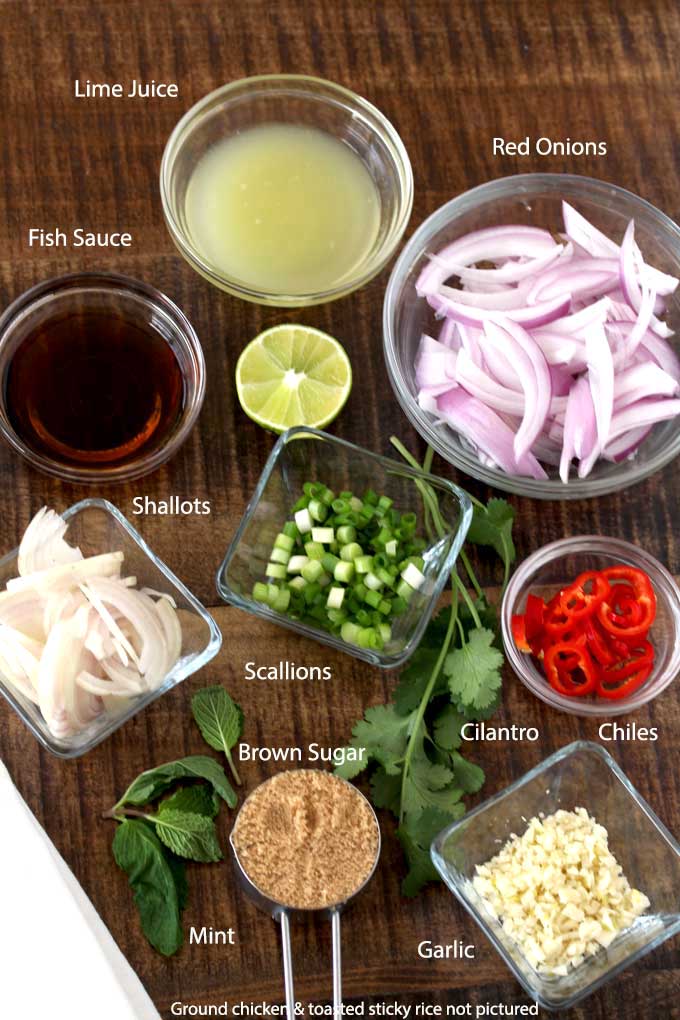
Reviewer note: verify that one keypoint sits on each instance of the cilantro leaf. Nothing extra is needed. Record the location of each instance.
(220, 721)
(474, 671)
(158, 896)
(447, 728)
(384, 735)
(428, 784)
(421, 869)
(187, 834)
(353, 765)
(468, 776)
(416, 837)
(492, 525)
(386, 791)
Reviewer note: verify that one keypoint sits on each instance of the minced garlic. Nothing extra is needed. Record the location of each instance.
(558, 890)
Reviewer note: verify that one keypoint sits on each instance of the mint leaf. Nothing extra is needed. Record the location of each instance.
(197, 799)
(179, 873)
(154, 782)
(468, 776)
(220, 721)
(187, 835)
(447, 729)
(138, 852)
(473, 671)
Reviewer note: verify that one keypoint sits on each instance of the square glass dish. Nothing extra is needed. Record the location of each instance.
(96, 526)
(304, 454)
(584, 775)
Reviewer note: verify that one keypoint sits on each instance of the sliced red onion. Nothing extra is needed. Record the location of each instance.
(469, 315)
(626, 445)
(577, 322)
(449, 335)
(582, 232)
(663, 354)
(534, 377)
(481, 246)
(592, 240)
(435, 366)
(582, 278)
(500, 300)
(512, 271)
(601, 379)
(629, 265)
(642, 381)
(643, 413)
(580, 429)
(552, 351)
(469, 340)
(487, 431)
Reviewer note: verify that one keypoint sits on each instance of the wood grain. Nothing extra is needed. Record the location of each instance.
(450, 76)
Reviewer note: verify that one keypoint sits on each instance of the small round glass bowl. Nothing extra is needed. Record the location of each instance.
(532, 200)
(551, 568)
(289, 99)
(125, 299)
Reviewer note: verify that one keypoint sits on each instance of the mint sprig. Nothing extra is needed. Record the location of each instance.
(168, 815)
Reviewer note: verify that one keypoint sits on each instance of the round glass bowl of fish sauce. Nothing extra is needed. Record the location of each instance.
(286, 190)
(101, 377)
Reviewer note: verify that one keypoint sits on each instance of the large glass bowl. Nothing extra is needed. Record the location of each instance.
(96, 526)
(584, 775)
(289, 99)
(307, 455)
(532, 200)
(558, 564)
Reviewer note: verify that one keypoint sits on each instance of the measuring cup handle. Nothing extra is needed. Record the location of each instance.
(284, 921)
(337, 965)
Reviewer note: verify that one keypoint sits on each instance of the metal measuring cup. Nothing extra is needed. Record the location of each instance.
(281, 912)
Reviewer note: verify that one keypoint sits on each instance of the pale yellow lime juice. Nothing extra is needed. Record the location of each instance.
(284, 209)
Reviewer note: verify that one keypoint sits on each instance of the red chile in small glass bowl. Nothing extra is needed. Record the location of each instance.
(558, 564)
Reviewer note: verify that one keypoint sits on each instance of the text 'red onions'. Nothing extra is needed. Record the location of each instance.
(555, 353)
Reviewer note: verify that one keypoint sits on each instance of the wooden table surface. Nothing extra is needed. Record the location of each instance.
(450, 76)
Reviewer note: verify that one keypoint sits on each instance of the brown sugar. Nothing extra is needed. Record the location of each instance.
(306, 839)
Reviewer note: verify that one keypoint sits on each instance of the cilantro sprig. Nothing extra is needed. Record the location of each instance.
(411, 745)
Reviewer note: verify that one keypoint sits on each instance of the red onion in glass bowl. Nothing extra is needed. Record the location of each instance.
(548, 303)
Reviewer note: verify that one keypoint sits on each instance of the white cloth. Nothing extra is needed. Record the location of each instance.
(57, 958)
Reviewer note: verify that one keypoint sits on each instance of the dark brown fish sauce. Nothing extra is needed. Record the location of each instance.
(91, 387)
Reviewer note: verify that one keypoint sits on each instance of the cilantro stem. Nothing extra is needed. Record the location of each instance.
(471, 574)
(425, 700)
(467, 600)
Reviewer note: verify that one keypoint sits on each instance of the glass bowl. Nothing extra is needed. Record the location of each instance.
(584, 775)
(532, 200)
(559, 563)
(289, 99)
(104, 293)
(96, 525)
(303, 455)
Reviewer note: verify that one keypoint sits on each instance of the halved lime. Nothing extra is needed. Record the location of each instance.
(293, 375)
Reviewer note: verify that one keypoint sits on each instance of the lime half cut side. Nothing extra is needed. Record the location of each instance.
(293, 375)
